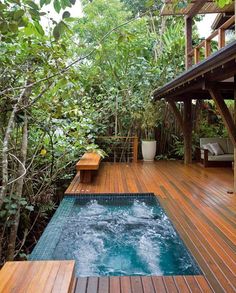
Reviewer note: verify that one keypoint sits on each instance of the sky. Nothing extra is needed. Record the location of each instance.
(75, 11)
(204, 27)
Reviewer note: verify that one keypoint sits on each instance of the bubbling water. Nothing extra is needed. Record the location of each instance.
(117, 240)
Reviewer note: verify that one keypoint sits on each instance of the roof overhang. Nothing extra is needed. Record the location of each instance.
(194, 83)
(220, 19)
(208, 7)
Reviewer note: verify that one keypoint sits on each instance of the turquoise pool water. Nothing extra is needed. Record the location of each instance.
(114, 235)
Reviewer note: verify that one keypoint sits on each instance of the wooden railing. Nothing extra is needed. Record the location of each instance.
(119, 148)
(206, 44)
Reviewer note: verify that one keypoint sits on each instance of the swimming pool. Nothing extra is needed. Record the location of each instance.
(115, 235)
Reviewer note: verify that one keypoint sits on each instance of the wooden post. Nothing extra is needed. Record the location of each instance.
(196, 55)
(187, 131)
(221, 38)
(135, 149)
(188, 42)
(207, 48)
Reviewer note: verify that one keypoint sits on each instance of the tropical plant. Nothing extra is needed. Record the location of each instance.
(65, 86)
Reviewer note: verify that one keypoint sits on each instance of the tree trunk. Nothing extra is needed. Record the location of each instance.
(18, 189)
(5, 147)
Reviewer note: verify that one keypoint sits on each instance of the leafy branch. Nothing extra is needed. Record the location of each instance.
(66, 68)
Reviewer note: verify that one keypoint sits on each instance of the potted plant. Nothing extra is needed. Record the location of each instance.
(148, 124)
(148, 119)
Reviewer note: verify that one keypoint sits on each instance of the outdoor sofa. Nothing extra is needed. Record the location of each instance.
(223, 157)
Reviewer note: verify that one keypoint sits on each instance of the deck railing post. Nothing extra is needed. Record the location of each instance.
(196, 55)
(135, 149)
(207, 48)
(221, 38)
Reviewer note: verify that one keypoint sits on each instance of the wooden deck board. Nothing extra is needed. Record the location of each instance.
(147, 284)
(200, 207)
(37, 277)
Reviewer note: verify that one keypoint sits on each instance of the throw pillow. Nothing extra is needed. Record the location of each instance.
(209, 148)
(217, 150)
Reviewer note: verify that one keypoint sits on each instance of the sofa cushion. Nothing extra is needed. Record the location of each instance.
(209, 148)
(216, 148)
(221, 141)
(220, 158)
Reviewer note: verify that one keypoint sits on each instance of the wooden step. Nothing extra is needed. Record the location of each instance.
(38, 276)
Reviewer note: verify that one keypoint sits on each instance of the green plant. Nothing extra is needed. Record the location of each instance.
(93, 148)
(149, 121)
(178, 146)
(11, 206)
(149, 117)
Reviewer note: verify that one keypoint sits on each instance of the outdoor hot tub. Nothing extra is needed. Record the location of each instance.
(115, 235)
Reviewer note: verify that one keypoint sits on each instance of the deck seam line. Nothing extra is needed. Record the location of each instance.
(176, 284)
(153, 285)
(163, 280)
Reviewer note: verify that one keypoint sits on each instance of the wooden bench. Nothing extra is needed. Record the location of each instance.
(87, 165)
(38, 277)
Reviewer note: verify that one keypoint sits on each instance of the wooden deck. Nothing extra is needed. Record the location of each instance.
(142, 284)
(38, 277)
(199, 205)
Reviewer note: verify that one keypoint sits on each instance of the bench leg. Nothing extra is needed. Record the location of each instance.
(85, 176)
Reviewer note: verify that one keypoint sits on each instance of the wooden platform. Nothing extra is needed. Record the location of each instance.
(168, 284)
(87, 165)
(197, 201)
(89, 161)
(38, 277)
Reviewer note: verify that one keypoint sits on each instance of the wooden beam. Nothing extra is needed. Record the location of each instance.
(222, 72)
(177, 114)
(196, 8)
(200, 96)
(222, 86)
(225, 113)
(187, 131)
(198, 90)
(188, 42)
(187, 88)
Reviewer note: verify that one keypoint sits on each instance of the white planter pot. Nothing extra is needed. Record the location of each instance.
(149, 150)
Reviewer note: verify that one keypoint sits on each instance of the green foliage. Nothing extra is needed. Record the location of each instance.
(223, 3)
(141, 6)
(15, 15)
(178, 146)
(108, 92)
(178, 4)
(93, 148)
(12, 205)
(150, 116)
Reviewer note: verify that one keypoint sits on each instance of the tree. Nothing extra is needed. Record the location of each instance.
(82, 79)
